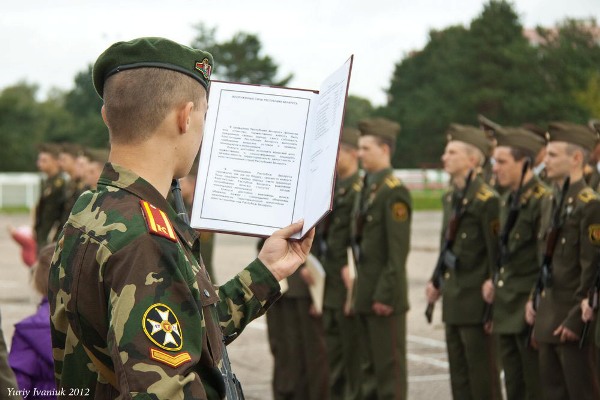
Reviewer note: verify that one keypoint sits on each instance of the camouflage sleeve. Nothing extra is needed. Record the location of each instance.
(156, 326)
(398, 215)
(246, 297)
(589, 240)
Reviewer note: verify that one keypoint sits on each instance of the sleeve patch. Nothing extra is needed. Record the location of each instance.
(157, 221)
(594, 234)
(172, 361)
(495, 227)
(400, 211)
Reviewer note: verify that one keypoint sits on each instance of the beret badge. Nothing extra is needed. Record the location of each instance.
(204, 67)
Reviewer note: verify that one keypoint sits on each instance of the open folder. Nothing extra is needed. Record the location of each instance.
(268, 156)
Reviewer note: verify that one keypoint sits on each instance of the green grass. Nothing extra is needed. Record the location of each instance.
(427, 199)
(14, 210)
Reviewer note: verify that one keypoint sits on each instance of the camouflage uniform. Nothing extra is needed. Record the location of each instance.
(49, 209)
(126, 285)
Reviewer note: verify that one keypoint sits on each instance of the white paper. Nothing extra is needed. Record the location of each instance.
(268, 156)
(317, 289)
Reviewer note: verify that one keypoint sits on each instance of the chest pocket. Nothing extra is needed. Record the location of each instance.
(468, 242)
(522, 233)
(568, 240)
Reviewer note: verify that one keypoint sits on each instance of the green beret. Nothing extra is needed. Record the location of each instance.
(568, 132)
(380, 127)
(470, 135)
(350, 136)
(519, 138)
(152, 52)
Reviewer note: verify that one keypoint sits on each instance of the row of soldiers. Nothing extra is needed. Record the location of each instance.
(69, 170)
(518, 272)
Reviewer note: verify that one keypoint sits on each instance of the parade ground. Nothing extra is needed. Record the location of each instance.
(252, 362)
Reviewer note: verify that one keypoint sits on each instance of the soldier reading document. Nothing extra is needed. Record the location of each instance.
(268, 156)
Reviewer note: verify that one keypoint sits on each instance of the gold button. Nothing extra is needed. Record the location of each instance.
(570, 200)
(447, 275)
(563, 240)
(464, 235)
(500, 283)
(369, 218)
(502, 270)
(517, 236)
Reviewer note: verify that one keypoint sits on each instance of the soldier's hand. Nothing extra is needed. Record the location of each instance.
(345, 272)
(487, 291)
(307, 276)
(565, 334)
(587, 312)
(382, 310)
(529, 313)
(431, 293)
(283, 256)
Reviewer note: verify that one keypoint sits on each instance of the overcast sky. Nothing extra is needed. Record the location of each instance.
(48, 42)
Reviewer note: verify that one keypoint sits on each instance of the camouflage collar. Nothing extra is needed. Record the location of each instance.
(122, 178)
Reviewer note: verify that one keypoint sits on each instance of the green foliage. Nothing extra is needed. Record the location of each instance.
(239, 59)
(357, 108)
(490, 68)
(589, 97)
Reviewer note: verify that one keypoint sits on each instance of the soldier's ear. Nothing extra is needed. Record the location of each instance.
(184, 117)
(103, 112)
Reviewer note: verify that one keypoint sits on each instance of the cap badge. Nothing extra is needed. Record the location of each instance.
(204, 67)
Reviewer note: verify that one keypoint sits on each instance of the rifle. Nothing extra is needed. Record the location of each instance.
(511, 220)
(233, 388)
(447, 258)
(592, 299)
(545, 276)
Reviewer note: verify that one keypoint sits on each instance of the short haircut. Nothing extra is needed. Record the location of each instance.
(519, 153)
(72, 149)
(572, 148)
(136, 101)
(50, 148)
(474, 151)
(391, 143)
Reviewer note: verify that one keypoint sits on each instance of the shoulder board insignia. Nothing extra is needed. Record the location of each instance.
(586, 195)
(484, 194)
(539, 191)
(172, 361)
(357, 186)
(157, 221)
(392, 182)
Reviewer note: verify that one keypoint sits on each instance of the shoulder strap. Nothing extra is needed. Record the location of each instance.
(103, 370)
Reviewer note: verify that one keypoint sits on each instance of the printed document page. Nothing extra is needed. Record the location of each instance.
(251, 156)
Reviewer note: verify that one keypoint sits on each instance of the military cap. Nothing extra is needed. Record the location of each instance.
(569, 132)
(350, 136)
(152, 52)
(519, 138)
(380, 127)
(470, 135)
(594, 124)
(487, 124)
(538, 130)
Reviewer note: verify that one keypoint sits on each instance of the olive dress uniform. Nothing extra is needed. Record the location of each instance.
(49, 209)
(518, 272)
(471, 352)
(297, 342)
(515, 280)
(567, 371)
(383, 218)
(341, 331)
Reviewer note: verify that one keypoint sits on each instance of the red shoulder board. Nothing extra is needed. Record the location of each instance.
(157, 221)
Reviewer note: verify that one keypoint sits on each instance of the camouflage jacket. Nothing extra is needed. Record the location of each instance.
(127, 286)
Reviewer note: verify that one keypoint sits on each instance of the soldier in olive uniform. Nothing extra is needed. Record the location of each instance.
(566, 371)
(519, 264)
(381, 228)
(48, 211)
(133, 312)
(593, 176)
(75, 184)
(471, 352)
(331, 244)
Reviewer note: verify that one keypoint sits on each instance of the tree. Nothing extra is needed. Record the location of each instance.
(239, 59)
(357, 108)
